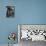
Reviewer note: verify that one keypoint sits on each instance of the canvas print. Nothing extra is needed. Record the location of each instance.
(10, 11)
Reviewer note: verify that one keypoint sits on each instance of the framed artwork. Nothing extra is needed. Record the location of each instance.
(10, 12)
(32, 32)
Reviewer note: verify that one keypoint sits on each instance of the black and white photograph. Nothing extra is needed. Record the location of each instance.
(10, 11)
(31, 34)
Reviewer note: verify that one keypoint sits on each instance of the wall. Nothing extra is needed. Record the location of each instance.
(31, 11)
(26, 12)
